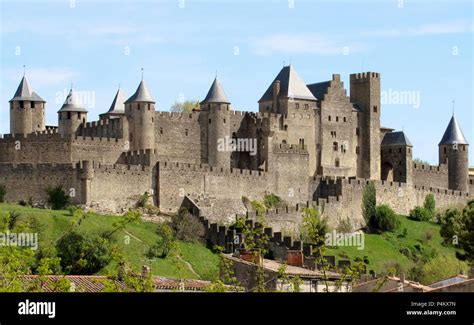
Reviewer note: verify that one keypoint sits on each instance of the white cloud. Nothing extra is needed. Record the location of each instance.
(45, 77)
(459, 26)
(302, 44)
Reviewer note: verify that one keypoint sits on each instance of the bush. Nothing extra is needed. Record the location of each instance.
(385, 219)
(57, 198)
(3, 193)
(430, 204)
(272, 200)
(420, 214)
(441, 267)
(83, 254)
(186, 226)
(143, 200)
(165, 245)
(369, 203)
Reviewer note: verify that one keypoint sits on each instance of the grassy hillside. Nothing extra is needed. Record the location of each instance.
(422, 240)
(134, 240)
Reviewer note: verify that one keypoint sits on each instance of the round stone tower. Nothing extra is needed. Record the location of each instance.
(140, 112)
(26, 110)
(217, 107)
(453, 150)
(71, 115)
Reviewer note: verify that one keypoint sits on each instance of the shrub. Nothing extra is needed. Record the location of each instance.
(385, 219)
(420, 214)
(313, 229)
(259, 207)
(404, 233)
(186, 226)
(441, 267)
(369, 203)
(57, 198)
(83, 254)
(165, 245)
(272, 200)
(143, 200)
(3, 193)
(430, 204)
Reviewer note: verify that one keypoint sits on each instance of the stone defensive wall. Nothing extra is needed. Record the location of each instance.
(104, 150)
(110, 187)
(29, 182)
(46, 146)
(105, 128)
(175, 180)
(399, 196)
(429, 175)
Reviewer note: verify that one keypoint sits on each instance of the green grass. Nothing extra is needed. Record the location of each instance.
(384, 249)
(134, 241)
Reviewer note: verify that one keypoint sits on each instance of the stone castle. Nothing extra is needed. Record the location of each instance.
(310, 144)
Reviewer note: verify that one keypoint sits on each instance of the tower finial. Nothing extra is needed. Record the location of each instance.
(453, 107)
(142, 73)
(24, 70)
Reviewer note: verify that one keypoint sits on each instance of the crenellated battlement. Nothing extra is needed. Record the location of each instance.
(163, 115)
(87, 140)
(41, 135)
(430, 168)
(115, 122)
(364, 76)
(204, 168)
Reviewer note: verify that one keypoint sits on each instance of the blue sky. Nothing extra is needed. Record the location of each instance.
(420, 47)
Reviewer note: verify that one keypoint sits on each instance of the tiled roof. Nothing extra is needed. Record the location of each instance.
(291, 86)
(396, 139)
(453, 134)
(24, 92)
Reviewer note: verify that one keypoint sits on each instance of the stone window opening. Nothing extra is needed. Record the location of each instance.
(357, 150)
(32, 104)
(186, 132)
(389, 150)
(306, 106)
(68, 115)
(337, 162)
(224, 121)
(22, 105)
(297, 105)
(138, 107)
(400, 150)
(161, 130)
(337, 118)
(149, 106)
(444, 149)
(409, 150)
(375, 109)
(335, 146)
(329, 118)
(209, 121)
(357, 131)
(344, 119)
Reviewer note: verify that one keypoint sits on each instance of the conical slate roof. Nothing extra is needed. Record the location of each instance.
(453, 134)
(398, 138)
(71, 104)
(118, 106)
(23, 92)
(141, 95)
(216, 94)
(291, 86)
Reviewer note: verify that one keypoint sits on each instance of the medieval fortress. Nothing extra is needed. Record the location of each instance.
(310, 144)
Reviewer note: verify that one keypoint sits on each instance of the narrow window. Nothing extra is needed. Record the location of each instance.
(32, 104)
(357, 150)
(161, 130)
(337, 118)
(357, 131)
(186, 132)
(329, 118)
(375, 109)
(335, 146)
(297, 105)
(344, 119)
(209, 121)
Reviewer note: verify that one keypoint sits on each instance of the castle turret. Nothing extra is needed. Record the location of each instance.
(453, 150)
(217, 107)
(397, 158)
(365, 93)
(26, 110)
(71, 115)
(117, 109)
(140, 112)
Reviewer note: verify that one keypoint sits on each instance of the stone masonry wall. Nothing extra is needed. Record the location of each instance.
(428, 175)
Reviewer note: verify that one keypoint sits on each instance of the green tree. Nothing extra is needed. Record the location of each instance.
(369, 203)
(272, 200)
(57, 197)
(187, 227)
(313, 229)
(441, 267)
(430, 204)
(466, 238)
(185, 107)
(165, 244)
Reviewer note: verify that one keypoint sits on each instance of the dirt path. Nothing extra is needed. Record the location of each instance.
(190, 267)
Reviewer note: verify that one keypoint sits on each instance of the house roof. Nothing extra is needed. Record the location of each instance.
(71, 104)
(448, 281)
(319, 89)
(453, 134)
(216, 94)
(141, 95)
(398, 138)
(24, 92)
(97, 283)
(291, 86)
